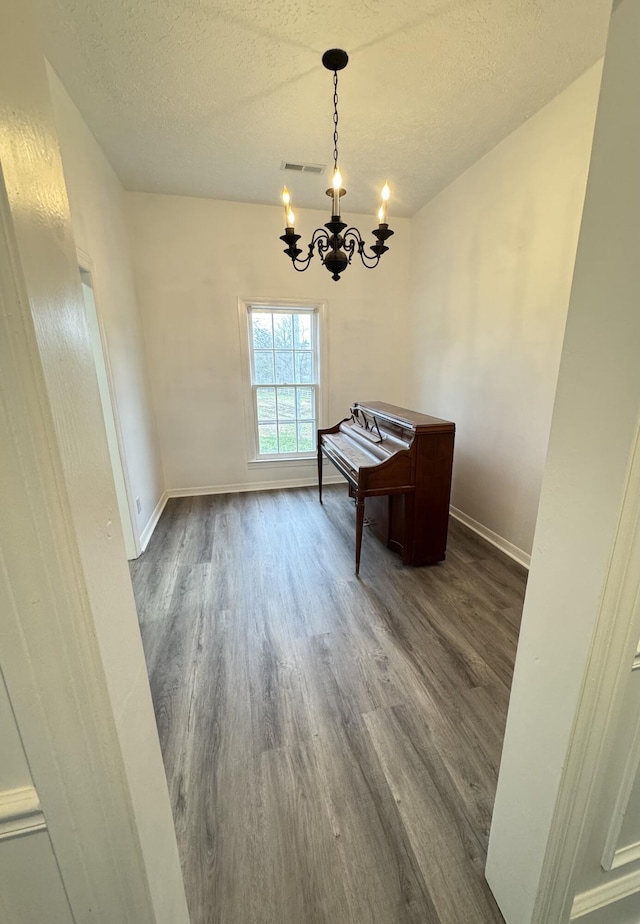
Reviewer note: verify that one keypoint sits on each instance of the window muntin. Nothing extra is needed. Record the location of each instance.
(283, 346)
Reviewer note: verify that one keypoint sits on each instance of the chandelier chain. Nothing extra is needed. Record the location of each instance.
(335, 121)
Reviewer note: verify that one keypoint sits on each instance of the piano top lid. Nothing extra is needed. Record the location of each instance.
(403, 417)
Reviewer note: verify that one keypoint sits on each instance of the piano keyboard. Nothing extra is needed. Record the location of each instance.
(356, 455)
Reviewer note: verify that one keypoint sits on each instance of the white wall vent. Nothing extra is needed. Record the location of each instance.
(303, 168)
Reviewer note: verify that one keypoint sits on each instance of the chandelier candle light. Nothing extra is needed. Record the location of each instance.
(335, 245)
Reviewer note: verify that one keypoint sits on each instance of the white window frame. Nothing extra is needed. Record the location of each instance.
(318, 310)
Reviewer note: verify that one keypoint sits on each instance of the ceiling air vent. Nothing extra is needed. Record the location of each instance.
(302, 168)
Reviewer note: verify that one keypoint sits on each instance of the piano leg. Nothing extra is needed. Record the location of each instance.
(359, 526)
(319, 471)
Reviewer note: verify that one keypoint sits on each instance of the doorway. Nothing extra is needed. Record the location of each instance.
(109, 412)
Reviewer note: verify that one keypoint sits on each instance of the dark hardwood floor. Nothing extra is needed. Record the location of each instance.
(331, 743)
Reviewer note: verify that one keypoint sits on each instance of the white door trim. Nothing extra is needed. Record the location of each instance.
(611, 658)
(20, 813)
(50, 657)
(130, 526)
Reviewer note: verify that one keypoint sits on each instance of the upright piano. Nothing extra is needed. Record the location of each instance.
(399, 462)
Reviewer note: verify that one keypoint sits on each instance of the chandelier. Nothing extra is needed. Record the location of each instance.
(336, 246)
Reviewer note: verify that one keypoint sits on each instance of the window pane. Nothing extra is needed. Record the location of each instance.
(302, 331)
(266, 403)
(306, 403)
(306, 437)
(267, 438)
(284, 367)
(263, 368)
(287, 437)
(282, 332)
(282, 344)
(286, 404)
(304, 367)
(262, 332)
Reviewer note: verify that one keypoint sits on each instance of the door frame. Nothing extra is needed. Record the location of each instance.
(130, 531)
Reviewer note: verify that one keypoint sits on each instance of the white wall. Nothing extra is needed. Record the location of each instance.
(574, 610)
(492, 259)
(193, 258)
(96, 202)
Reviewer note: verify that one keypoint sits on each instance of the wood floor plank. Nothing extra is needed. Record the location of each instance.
(197, 540)
(153, 587)
(490, 635)
(171, 668)
(438, 828)
(360, 663)
(464, 545)
(278, 685)
(303, 865)
(379, 871)
(331, 743)
(167, 538)
(500, 573)
(466, 637)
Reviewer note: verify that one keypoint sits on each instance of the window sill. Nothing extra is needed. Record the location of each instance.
(311, 459)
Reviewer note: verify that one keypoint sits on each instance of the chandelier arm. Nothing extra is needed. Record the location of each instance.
(322, 238)
(349, 247)
(300, 264)
(305, 266)
(364, 257)
(324, 245)
(370, 261)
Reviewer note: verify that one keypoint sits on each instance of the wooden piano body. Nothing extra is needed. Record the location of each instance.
(399, 462)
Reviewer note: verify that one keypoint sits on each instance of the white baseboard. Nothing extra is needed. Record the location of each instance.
(503, 544)
(147, 532)
(606, 894)
(259, 486)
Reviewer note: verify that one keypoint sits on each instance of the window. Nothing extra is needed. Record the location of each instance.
(284, 366)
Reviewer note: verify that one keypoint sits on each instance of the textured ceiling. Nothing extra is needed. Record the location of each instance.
(208, 97)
